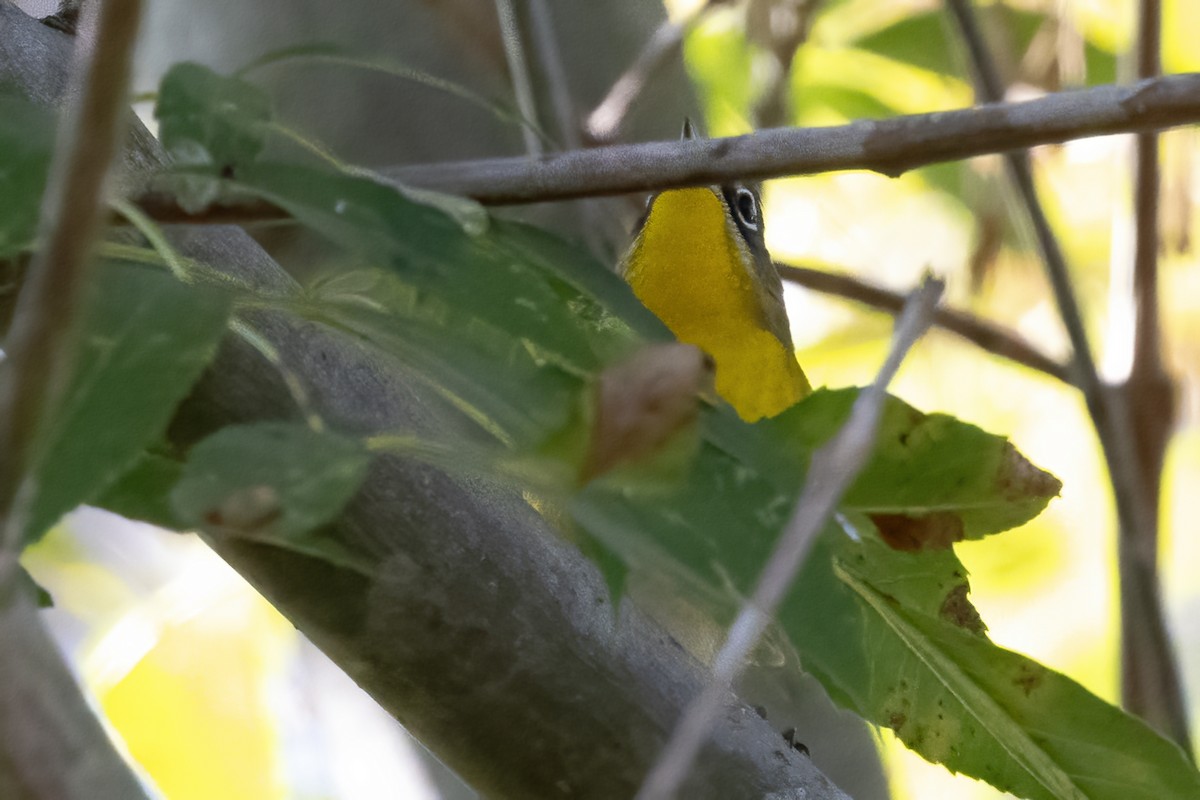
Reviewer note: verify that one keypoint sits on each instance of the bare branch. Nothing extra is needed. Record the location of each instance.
(986, 335)
(1146, 336)
(604, 124)
(834, 466)
(1140, 594)
(889, 146)
(593, 221)
(518, 71)
(1150, 681)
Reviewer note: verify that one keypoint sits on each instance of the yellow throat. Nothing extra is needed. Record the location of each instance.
(699, 263)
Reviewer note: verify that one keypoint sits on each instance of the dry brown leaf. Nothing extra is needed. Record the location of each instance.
(643, 401)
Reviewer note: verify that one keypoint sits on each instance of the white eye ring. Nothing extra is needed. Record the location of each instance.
(746, 206)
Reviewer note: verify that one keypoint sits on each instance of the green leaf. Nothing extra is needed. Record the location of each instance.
(931, 480)
(480, 275)
(484, 372)
(209, 119)
(508, 325)
(849, 103)
(959, 700)
(919, 39)
(26, 136)
(273, 482)
(143, 492)
(931, 476)
(144, 340)
(211, 125)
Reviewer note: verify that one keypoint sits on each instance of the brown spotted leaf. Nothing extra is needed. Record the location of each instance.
(933, 480)
(958, 699)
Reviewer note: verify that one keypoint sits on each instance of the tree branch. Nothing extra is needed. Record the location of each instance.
(889, 146)
(554, 75)
(518, 73)
(1150, 682)
(52, 747)
(986, 335)
(1136, 511)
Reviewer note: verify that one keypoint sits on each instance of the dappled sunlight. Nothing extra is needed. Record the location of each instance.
(206, 686)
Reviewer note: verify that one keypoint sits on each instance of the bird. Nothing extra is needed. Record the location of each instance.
(699, 262)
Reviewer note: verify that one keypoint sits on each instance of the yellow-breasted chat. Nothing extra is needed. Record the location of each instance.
(699, 262)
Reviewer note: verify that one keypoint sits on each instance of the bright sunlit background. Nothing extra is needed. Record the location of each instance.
(214, 694)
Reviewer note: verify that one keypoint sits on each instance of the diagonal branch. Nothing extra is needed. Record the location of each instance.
(604, 123)
(518, 71)
(986, 335)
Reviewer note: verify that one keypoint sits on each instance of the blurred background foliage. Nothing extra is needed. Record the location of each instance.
(214, 694)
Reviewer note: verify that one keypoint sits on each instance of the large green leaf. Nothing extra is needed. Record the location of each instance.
(956, 698)
(508, 324)
(482, 275)
(26, 136)
(144, 339)
(486, 373)
(274, 482)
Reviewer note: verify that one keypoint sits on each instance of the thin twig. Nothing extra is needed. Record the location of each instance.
(783, 28)
(1151, 685)
(889, 146)
(1146, 337)
(834, 466)
(599, 229)
(549, 57)
(986, 335)
(518, 72)
(53, 745)
(40, 346)
(1135, 510)
(604, 124)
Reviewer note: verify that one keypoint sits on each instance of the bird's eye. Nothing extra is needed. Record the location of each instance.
(746, 205)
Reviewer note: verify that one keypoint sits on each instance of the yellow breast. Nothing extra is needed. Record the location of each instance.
(691, 267)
